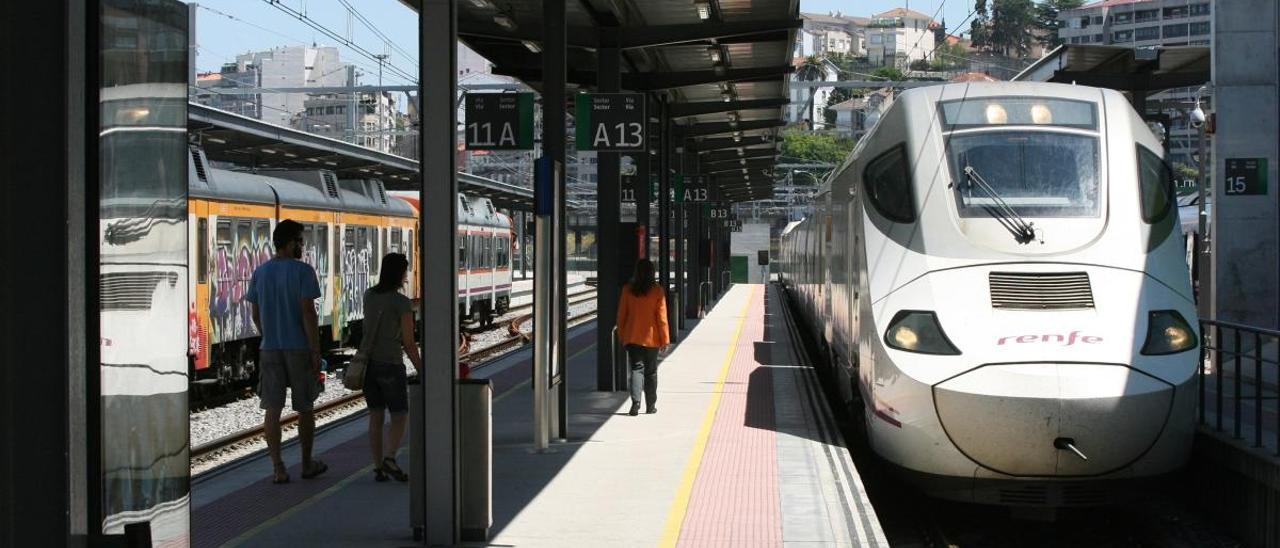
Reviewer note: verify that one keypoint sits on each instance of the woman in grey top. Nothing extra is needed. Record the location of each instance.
(388, 319)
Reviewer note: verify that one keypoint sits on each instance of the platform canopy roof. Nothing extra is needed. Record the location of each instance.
(1139, 71)
(721, 65)
(251, 143)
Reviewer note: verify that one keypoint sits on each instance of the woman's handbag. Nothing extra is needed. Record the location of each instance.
(353, 376)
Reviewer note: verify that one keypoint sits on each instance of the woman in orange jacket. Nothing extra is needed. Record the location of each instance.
(642, 327)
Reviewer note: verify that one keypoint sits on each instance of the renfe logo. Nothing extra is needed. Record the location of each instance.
(1067, 340)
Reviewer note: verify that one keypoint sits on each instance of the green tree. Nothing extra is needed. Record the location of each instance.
(889, 73)
(1011, 24)
(980, 28)
(819, 147)
(1046, 13)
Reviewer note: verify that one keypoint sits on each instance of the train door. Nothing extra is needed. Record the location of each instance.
(198, 287)
(464, 267)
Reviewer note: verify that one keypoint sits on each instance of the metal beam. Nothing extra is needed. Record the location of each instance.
(752, 165)
(666, 35)
(733, 155)
(720, 128)
(608, 211)
(437, 25)
(729, 142)
(655, 81)
(681, 110)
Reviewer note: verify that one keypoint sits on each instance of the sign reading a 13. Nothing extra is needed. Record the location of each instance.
(610, 122)
(499, 121)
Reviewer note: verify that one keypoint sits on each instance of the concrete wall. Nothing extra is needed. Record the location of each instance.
(1239, 487)
(1246, 235)
(753, 238)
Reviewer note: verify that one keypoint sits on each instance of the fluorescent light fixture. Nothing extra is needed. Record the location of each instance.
(363, 170)
(216, 140)
(737, 138)
(334, 164)
(290, 155)
(505, 21)
(704, 9)
(714, 53)
(726, 96)
(741, 161)
(532, 46)
(483, 4)
(269, 150)
(313, 160)
(744, 172)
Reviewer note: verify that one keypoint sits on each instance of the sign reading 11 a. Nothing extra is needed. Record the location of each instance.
(610, 122)
(499, 121)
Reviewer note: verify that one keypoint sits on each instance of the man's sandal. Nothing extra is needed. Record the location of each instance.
(281, 474)
(314, 468)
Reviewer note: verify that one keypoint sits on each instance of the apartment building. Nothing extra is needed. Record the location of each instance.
(1149, 24)
(831, 33)
(898, 37)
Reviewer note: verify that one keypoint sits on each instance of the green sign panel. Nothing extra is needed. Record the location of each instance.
(1245, 177)
(610, 122)
(499, 121)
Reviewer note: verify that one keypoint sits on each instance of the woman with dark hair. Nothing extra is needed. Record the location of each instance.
(642, 327)
(388, 319)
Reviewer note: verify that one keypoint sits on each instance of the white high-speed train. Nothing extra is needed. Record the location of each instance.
(997, 272)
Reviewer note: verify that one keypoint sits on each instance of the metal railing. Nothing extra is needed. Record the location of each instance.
(1245, 348)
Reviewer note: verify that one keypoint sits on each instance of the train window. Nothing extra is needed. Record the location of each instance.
(322, 249)
(375, 260)
(395, 240)
(264, 233)
(462, 251)
(408, 245)
(202, 250)
(1037, 173)
(888, 183)
(1156, 182)
(224, 233)
(504, 252)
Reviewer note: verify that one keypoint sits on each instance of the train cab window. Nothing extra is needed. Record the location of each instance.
(1037, 173)
(888, 185)
(202, 250)
(337, 252)
(1156, 182)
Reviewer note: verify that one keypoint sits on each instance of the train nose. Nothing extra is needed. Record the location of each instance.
(1053, 419)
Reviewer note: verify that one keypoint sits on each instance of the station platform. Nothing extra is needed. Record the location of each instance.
(742, 452)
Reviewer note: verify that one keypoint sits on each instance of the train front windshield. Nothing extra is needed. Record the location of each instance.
(1049, 169)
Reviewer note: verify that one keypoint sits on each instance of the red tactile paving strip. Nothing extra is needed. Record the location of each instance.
(734, 502)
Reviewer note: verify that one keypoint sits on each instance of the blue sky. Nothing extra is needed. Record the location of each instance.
(258, 26)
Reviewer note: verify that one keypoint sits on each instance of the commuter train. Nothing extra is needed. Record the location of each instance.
(997, 275)
(349, 226)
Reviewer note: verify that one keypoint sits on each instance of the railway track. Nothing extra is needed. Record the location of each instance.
(211, 449)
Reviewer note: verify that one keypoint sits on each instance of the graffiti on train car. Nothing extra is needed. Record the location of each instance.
(355, 280)
(317, 255)
(233, 267)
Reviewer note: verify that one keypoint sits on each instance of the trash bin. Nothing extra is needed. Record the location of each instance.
(475, 424)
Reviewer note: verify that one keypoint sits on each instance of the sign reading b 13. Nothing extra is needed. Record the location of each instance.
(610, 122)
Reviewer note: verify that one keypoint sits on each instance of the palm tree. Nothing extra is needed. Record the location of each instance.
(813, 68)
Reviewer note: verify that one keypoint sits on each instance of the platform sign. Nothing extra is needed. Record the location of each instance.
(717, 213)
(1246, 177)
(499, 121)
(691, 189)
(610, 122)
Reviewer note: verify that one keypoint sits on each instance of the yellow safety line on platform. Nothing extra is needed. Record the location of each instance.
(680, 505)
(244, 537)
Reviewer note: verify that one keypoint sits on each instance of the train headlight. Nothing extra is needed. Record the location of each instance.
(1168, 333)
(919, 331)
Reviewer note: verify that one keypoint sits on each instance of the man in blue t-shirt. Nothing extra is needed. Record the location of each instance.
(282, 294)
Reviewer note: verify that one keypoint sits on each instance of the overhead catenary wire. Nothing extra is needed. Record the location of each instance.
(369, 25)
(305, 19)
(366, 67)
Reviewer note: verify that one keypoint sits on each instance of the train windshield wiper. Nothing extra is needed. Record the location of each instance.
(1022, 230)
